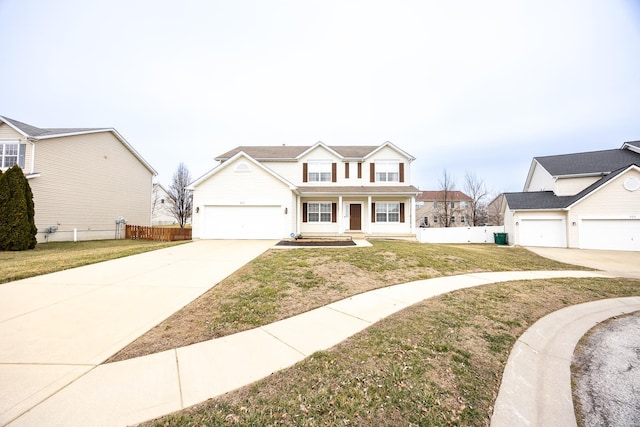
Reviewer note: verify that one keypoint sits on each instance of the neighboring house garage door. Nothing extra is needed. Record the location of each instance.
(243, 222)
(610, 234)
(549, 232)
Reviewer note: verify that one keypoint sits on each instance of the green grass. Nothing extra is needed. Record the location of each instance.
(56, 256)
(437, 363)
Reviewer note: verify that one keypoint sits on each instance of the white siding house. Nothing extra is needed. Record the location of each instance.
(274, 192)
(584, 200)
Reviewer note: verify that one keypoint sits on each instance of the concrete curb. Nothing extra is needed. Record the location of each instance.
(536, 384)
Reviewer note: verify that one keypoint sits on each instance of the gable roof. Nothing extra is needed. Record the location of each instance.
(293, 152)
(589, 163)
(542, 200)
(452, 196)
(224, 165)
(36, 134)
(632, 145)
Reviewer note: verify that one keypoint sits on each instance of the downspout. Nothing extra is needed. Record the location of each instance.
(33, 154)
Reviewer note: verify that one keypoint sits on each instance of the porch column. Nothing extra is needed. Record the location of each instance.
(340, 216)
(298, 215)
(413, 214)
(369, 216)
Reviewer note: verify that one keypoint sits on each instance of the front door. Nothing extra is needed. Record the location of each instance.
(355, 217)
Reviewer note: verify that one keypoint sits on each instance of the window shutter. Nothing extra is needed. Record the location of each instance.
(346, 170)
(373, 212)
(304, 174)
(334, 172)
(334, 211)
(21, 154)
(372, 170)
(359, 170)
(401, 212)
(304, 212)
(401, 165)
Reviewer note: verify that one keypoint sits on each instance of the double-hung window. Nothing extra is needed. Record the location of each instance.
(9, 154)
(319, 212)
(387, 171)
(320, 171)
(387, 212)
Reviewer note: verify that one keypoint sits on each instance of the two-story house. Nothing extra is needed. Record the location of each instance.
(275, 192)
(588, 200)
(85, 182)
(450, 208)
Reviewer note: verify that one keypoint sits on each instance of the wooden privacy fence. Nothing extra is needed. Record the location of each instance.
(140, 232)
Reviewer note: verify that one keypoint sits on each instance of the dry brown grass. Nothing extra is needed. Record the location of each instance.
(283, 283)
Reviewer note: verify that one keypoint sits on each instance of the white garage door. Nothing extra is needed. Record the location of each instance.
(549, 232)
(243, 222)
(610, 234)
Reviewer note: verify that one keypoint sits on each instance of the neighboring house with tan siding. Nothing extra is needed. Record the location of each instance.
(83, 180)
(272, 192)
(587, 200)
(441, 208)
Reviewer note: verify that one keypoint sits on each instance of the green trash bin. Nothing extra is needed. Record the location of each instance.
(500, 238)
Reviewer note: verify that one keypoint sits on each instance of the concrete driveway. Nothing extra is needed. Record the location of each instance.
(56, 327)
(616, 263)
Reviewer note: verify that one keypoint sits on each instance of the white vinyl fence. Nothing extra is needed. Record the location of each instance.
(458, 234)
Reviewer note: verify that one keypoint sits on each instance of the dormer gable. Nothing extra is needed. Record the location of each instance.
(390, 145)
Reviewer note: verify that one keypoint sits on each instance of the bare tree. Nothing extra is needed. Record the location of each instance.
(495, 209)
(476, 190)
(444, 205)
(179, 197)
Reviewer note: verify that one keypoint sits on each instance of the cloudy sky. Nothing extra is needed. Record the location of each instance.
(477, 86)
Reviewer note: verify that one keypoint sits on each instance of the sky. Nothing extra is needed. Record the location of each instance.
(477, 87)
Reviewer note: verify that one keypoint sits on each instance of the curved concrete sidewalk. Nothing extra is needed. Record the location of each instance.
(136, 390)
(536, 384)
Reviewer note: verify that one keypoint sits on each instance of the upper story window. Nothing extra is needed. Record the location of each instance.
(435, 204)
(319, 171)
(9, 154)
(387, 171)
(463, 205)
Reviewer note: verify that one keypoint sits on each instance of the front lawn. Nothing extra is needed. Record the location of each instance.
(437, 363)
(284, 282)
(56, 256)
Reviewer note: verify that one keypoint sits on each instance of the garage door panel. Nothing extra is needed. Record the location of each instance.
(610, 234)
(243, 222)
(543, 232)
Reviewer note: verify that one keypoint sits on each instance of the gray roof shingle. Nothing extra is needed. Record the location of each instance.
(39, 132)
(533, 200)
(291, 152)
(592, 162)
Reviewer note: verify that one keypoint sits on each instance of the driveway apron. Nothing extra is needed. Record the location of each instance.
(55, 328)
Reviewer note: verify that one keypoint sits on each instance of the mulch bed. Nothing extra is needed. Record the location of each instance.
(316, 243)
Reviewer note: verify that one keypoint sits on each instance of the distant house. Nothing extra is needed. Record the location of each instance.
(588, 200)
(443, 209)
(161, 207)
(85, 182)
(273, 192)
